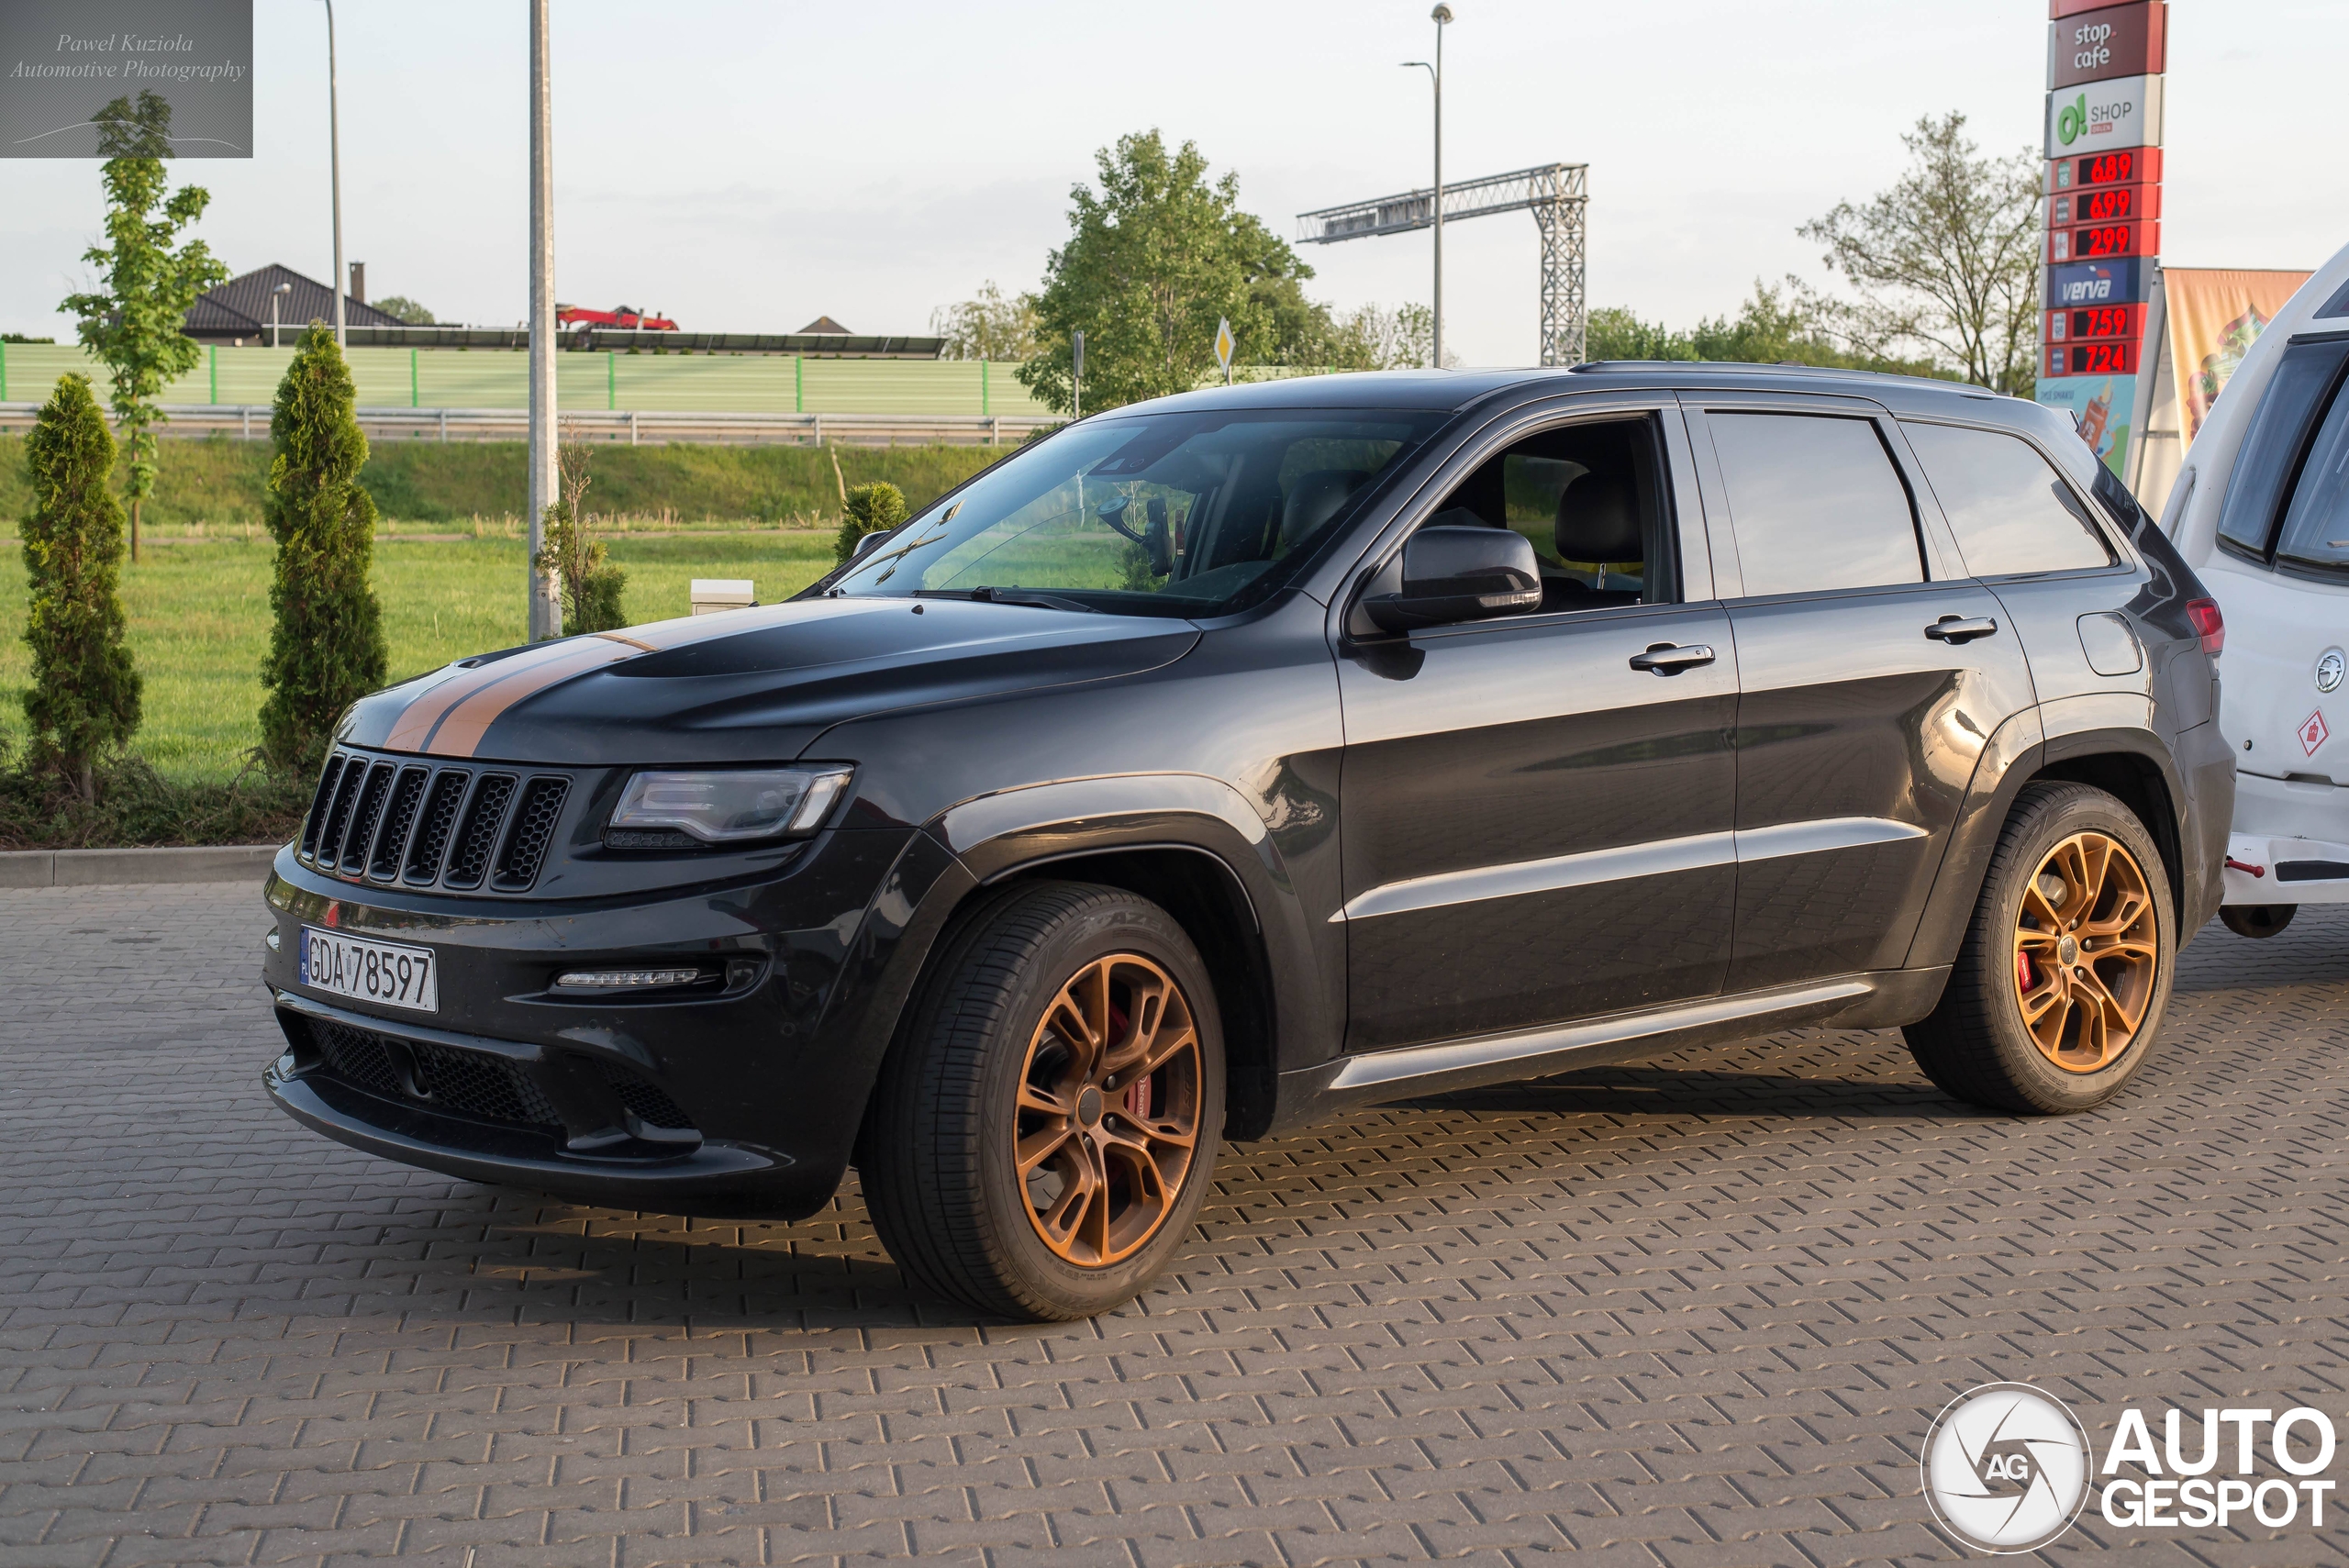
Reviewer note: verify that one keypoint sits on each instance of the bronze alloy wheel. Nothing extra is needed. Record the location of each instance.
(2087, 952)
(1109, 1104)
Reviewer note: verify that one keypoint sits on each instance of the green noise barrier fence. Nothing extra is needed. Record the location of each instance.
(619, 382)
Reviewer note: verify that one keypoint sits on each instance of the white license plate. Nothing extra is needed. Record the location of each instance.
(384, 973)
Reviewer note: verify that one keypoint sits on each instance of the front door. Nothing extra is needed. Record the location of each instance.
(1534, 828)
(1871, 674)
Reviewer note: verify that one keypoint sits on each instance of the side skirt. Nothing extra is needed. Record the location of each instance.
(1879, 999)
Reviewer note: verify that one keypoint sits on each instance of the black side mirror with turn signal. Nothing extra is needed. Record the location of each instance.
(1452, 575)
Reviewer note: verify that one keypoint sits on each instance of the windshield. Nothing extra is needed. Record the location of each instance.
(1187, 514)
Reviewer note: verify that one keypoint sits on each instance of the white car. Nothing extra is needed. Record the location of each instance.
(2261, 511)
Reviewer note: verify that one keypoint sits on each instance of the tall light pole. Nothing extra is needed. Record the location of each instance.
(1441, 17)
(545, 604)
(334, 159)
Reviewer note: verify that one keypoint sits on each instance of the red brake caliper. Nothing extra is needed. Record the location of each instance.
(1137, 1096)
(2022, 972)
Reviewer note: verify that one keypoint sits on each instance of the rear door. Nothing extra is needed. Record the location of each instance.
(1871, 675)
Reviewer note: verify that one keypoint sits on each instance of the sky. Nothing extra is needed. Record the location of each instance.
(746, 167)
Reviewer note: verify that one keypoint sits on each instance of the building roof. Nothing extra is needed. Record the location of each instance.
(238, 310)
(827, 325)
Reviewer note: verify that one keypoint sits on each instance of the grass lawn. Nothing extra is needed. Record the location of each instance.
(200, 620)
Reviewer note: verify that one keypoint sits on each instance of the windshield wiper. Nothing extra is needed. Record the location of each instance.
(1006, 596)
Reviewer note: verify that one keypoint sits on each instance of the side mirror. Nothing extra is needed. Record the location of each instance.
(868, 544)
(1452, 575)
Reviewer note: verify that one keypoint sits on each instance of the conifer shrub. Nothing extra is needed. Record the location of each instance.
(83, 698)
(590, 582)
(328, 648)
(869, 509)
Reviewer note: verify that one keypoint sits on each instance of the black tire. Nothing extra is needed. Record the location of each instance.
(1975, 1045)
(939, 1151)
(2258, 921)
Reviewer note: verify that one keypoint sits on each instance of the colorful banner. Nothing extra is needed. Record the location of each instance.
(2102, 408)
(2214, 316)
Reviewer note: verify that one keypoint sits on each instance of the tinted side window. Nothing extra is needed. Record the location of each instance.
(2011, 512)
(1590, 498)
(2278, 428)
(1816, 503)
(2316, 522)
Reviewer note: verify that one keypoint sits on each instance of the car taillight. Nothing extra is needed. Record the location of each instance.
(2210, 622)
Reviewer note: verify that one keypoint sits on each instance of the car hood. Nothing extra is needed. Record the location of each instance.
(744, 685)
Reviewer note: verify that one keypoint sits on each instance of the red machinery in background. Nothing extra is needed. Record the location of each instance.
(625, 316)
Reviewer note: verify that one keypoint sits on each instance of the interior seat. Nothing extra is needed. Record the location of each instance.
(1312, 500)
(1597, 528)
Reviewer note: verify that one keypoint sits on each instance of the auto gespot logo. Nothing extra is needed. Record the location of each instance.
(2008, 1468)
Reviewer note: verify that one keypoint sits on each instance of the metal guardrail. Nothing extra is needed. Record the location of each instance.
(588, 337)
(642, 428)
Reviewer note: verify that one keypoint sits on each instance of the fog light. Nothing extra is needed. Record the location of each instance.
(624, 979)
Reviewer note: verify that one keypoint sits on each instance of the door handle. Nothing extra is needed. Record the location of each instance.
(1957, 629)
(1664, 659)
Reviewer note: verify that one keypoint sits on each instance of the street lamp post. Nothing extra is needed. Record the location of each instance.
(275, 295)
(334, 159)
(1441, 17)
(545, 601)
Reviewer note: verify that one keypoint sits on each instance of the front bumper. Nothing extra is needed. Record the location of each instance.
(684, 1174)
(741, 1097)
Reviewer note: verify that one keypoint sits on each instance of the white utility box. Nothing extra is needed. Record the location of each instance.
(711, 594)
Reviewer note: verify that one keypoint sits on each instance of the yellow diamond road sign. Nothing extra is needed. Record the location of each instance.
(1224, 343)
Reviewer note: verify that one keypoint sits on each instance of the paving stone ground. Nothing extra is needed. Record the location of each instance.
(1698, 1311)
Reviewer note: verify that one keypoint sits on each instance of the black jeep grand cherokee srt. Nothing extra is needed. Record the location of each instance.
(1224, 761)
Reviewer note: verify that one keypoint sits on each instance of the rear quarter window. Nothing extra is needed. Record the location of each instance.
(2315, 536)
(2271, 449)
(2010, 510)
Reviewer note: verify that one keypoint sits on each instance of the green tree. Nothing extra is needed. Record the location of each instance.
(1785, 325)
(1152, 261)
(328, 648)
(399, 307)
(1298, 331)
(869, 509)
(1947, 261)
(591, 583)
(150, 278)
(1402, 339)
(83, 694)
(990, 325)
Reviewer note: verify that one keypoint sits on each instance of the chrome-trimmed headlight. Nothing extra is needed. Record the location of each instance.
(730, 805)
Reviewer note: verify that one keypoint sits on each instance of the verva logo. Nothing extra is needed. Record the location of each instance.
(2099, 286)
(2313, 733)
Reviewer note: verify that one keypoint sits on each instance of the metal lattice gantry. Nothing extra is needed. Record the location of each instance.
(1555, 194)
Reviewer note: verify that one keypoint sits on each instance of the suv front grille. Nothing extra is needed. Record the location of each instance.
(426, 825)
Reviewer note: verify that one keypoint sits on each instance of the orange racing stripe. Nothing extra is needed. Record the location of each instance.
(459, 733)
(449, 720)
